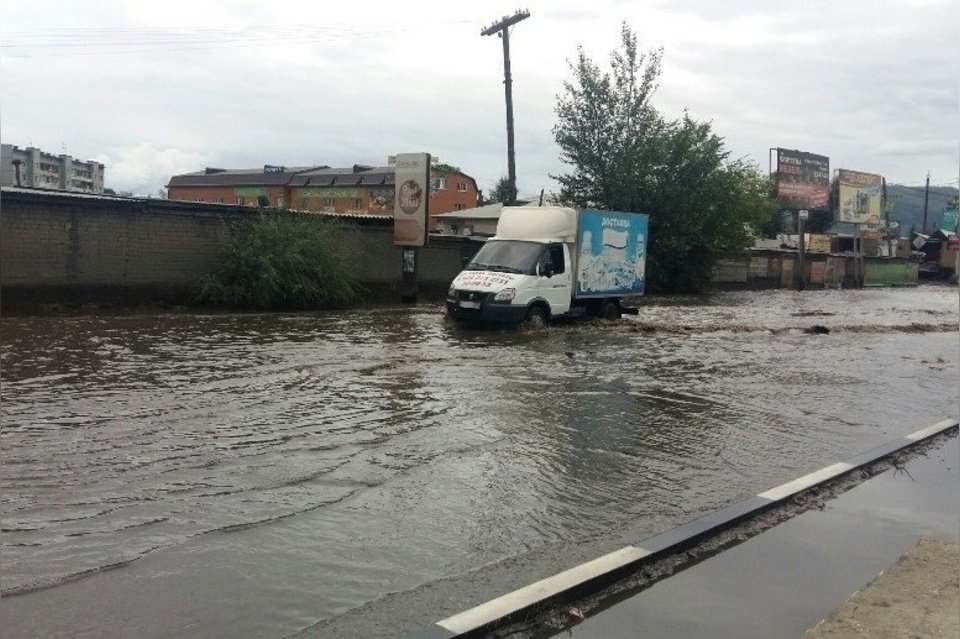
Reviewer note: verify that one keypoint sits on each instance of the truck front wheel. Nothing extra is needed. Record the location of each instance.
(536, 318)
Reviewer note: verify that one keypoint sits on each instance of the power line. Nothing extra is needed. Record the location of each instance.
(122, 41)
(100, 32)
(165, 36)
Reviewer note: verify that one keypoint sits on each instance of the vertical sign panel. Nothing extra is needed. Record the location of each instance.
(859, 197)
(803, 180)
(410, 211)
(612, 255)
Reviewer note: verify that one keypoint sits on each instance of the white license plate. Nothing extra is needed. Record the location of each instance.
(469, 304)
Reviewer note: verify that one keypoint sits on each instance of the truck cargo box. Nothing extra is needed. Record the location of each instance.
(611, 254)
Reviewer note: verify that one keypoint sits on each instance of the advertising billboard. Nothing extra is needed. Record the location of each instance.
(613, 253)
(803, 180)
(411, 197)
(858, 197)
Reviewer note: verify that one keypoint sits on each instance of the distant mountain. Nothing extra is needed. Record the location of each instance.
(908, 206)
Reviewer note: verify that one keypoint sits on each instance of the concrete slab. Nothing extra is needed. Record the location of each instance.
(918, 597)
(789, 578)
(592, 582)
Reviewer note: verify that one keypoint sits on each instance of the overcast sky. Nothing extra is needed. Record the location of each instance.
(152, 89)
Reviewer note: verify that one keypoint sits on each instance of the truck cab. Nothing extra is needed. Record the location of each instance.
(510, 281)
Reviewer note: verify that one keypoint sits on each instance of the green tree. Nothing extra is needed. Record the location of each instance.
(626, 156)
(442, 168)
(501, 191)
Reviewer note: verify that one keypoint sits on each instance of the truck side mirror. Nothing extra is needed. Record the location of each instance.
(547, 270)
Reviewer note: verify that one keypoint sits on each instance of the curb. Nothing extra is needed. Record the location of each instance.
(592, 576)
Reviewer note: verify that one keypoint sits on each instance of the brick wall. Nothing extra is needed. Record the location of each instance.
(459, 193)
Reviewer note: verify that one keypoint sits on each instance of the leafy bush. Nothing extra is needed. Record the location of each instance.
(284, 261)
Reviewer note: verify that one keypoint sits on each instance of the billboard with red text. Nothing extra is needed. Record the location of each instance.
(803, 180)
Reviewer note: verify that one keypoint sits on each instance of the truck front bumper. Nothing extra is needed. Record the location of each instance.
(485, 311)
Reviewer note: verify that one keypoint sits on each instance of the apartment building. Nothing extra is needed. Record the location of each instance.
(37, 169)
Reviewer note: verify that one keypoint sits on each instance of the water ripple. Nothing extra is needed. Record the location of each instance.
(387, 448)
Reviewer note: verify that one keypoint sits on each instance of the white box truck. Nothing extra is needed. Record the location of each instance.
(547, 262)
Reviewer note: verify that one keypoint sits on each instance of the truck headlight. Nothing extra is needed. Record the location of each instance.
(452, 292)
(505, 295)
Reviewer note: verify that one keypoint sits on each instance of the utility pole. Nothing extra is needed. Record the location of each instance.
(885, 206)
(926, 201)
(503, 28)
(802, 216)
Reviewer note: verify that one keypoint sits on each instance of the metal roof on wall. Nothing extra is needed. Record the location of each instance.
(350, 176)
(355, 175)
(237, 177)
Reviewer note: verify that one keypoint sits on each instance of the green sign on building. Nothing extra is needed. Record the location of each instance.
(249, 191)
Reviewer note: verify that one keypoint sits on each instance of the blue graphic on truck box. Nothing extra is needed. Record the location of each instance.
(612, 253)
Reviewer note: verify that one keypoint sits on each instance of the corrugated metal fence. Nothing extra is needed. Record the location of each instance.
(775, 269)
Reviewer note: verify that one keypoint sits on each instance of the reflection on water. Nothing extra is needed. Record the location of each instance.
(367, 452)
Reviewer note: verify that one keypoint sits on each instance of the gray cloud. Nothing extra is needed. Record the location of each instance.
(873, 87)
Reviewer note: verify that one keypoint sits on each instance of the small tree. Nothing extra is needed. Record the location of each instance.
(501, 191)
(626, 156)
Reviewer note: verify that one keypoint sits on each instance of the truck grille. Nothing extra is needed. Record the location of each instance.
(472, 296)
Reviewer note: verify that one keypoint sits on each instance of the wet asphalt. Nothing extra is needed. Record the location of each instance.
(789, 578)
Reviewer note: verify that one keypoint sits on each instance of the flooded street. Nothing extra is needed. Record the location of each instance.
(364, 473)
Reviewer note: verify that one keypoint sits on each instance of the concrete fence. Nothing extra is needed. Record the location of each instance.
(59, 247)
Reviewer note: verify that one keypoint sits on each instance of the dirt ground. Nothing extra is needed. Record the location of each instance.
(918, 597)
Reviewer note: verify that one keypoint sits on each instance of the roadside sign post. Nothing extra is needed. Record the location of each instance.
(408, 276)
(857, 259)
(411, 215)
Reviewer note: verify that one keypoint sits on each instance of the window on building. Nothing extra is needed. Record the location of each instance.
(458, 207)
(279, 202)
(219, 200)
(357, 203)
(239, 200)
(199, 199)
(462, 187)
(329, 203)
(439, 183)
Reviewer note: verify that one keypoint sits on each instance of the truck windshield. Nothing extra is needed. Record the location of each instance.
(510, 256)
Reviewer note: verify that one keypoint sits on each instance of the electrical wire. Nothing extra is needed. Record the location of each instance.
(124, 41)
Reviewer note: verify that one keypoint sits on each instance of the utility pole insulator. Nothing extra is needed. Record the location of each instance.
(502, 29)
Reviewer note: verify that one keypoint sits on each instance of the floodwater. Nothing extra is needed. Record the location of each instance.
(369, 472)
